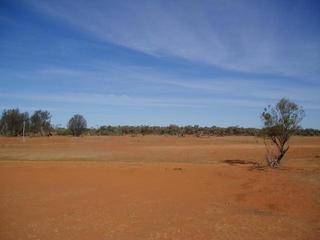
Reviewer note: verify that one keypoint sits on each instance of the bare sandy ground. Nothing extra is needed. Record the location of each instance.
(157, 187)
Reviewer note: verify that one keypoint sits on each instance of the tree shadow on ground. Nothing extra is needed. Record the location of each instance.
(252, 165)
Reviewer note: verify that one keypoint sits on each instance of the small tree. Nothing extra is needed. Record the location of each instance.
(40, 122)
(12, 122)
(280, 123)
(77, 124)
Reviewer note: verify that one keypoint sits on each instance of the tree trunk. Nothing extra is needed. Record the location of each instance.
(281, 154)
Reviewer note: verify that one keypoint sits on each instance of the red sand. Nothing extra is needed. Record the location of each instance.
(156, 188)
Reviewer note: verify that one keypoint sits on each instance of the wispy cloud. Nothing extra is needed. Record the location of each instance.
(237, 35)
(174, 60)
(97, 99)
(262, 89)
(103, 99)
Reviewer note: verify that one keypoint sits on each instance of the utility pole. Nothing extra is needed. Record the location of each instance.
(24, 127)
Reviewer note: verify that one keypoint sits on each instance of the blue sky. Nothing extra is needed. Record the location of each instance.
(217, 62)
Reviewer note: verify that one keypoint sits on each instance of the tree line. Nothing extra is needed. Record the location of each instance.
(15, 123)
(280, 122)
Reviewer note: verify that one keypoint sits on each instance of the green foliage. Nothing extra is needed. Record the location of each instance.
(308, 132)
(179, 131)
(12, 121)
(62, 131)
(285, 116)
(174, 130)
(40, 122)
(280, 123)
(77, 125)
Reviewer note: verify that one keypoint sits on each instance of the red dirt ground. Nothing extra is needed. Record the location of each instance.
(156, 187)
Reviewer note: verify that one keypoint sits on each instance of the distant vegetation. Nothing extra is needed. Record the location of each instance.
(173, 130)
(16, 123)
(39, 124)
(77, 125)
(179, 131)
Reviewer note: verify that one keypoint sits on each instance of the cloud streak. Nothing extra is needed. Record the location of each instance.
(242, 35)
(162, 61)
(97, 99)
(228, 87)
